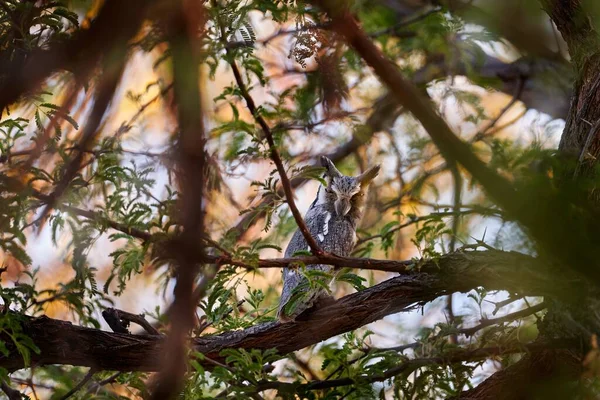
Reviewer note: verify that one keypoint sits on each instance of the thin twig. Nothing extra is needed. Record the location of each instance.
(507, 318)
(409, 366)
(106, 381)
(106, 90)
(457, 180)
(584, 150)
(406, 22)
(285, 182)
(80, 385)
(500, 304)
(517, 96)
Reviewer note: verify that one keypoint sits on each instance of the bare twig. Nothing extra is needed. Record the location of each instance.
(517, 96)
(418, 219)
(500, 320)
(583, 154)
(499, 305)
(80, 385)
(403, 24)
(99, 385)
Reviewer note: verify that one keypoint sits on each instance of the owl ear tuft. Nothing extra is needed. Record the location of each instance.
(330, 169)
(366, 177)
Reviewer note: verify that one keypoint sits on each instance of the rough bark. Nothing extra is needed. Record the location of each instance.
(535, 375)
(548, 373)
(584, 46)
(61, 342)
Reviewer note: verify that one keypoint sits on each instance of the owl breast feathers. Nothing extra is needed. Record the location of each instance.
(332, 220)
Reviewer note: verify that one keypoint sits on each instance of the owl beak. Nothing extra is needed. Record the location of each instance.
(342, 206)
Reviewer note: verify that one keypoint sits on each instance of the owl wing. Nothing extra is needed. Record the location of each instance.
(333, 235)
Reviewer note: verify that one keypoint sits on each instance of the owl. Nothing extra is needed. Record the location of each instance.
(332, 220)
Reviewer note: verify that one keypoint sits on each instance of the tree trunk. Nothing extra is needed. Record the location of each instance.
(551, 373)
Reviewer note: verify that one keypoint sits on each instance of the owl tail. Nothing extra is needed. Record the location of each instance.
(297, 295)
(296, 305)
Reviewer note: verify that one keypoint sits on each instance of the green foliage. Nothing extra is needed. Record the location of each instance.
(123, 202)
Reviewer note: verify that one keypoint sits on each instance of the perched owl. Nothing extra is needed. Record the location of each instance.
(332, 220)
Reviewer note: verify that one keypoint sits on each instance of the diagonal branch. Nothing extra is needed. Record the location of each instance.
(506, 318)
(451, 147)
(532, 209)
(63, 343)
(411, 365)
(106, 89)
(81, 384)
(116, 23)
(285, 182)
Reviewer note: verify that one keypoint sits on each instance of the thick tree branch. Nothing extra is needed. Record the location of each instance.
(11, 394)
(63, 343)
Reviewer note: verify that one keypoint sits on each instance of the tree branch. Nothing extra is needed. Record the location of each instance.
(285, 182)
(123, 318)
(63, 343)
(11, 394)
(182, 25)
(451, 147)
(409, 366)
(80, 385)
(114, 24)
(507, 318)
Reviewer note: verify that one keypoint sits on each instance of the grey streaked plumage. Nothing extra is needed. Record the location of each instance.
(332, 220)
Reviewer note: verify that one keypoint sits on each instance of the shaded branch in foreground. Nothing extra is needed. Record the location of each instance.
(182, 25)
(113, 24)
(63, 343)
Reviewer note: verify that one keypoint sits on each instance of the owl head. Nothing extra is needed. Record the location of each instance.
(345, 194)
